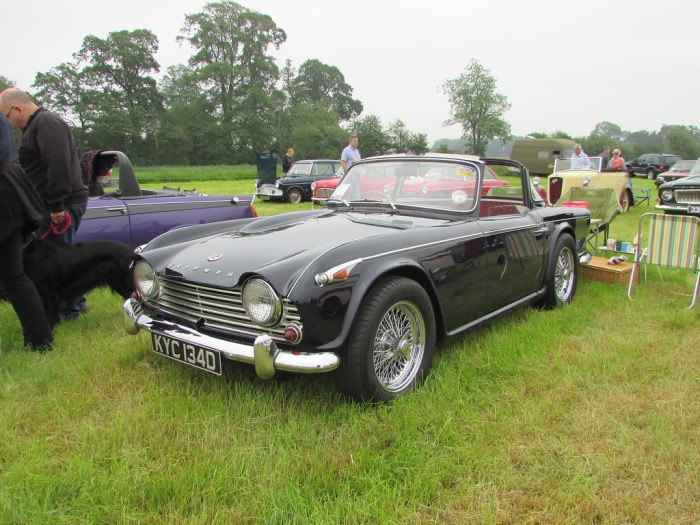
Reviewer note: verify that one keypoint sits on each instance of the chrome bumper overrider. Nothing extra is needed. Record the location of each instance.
(264, 353)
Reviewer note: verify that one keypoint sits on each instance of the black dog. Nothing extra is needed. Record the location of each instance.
(62, 271)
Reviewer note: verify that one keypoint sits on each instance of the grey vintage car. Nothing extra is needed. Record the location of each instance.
(295, 186)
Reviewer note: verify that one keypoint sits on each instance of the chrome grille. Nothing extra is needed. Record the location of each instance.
(688, 196)
(554, 192)
(221, 308)
(324, 193)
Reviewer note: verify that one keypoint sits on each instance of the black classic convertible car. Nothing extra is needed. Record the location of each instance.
(406, 252)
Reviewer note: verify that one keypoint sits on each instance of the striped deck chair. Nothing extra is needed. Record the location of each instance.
(672, 241)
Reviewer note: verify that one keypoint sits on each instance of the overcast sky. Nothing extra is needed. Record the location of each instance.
(631, 62)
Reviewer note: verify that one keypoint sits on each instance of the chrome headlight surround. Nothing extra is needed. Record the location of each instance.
(146, 280)
(261, 302)
(666, 195)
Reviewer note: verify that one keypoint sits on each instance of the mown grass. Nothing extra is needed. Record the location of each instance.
(586, 414)
(195, 173)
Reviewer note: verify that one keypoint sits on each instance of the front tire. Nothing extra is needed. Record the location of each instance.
(625, 201)
(562, 273)
(392, 343)
(651, 174)
(295, 196)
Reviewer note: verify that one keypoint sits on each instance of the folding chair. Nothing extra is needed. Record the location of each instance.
(672, 241)
(603, 205)
(641, 195)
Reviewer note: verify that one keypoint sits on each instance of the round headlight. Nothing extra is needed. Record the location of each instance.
(667, 195)
(146, 280)
(313, 186)
(277, 184)
(261, 303)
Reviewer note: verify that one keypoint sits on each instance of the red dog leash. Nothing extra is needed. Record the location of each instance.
(57, 230)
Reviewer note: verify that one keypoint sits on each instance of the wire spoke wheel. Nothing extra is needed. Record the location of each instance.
(398, 346)
(564, 274)
(392, 342)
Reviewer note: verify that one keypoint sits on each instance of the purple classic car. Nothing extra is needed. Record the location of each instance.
(120, 210)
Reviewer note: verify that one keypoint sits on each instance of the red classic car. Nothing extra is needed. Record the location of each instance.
(430, 184)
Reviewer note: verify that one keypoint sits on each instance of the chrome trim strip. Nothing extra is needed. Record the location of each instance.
(416, 247)
(498, 312)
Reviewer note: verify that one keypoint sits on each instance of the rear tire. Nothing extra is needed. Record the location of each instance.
(392, 342)
(562, 273)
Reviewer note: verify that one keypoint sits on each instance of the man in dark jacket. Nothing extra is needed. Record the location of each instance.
(48, 155)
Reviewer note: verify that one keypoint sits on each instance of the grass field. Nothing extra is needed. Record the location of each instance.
(588, 414)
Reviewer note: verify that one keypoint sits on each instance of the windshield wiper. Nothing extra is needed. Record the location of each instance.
(347, 204)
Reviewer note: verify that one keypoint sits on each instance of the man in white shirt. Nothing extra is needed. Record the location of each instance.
(579, 160)
(350, 154)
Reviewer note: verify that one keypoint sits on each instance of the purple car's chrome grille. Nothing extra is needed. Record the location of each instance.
(688, 196)
(221, 308)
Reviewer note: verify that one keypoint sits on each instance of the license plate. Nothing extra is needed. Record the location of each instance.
(694, 209)
(187, 353)
(265, 197)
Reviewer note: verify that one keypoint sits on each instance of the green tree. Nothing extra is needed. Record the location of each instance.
(477, 107)
(108, 88)
(610, 130)
(6, 83)
(64, 90)
(234, 69)
(322, 83)
(316, 132)
(682, 140)
(119, 71)
(372, 137)
(401, 140)
(560, 134)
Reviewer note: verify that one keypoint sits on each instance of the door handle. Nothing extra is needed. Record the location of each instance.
(120, 210)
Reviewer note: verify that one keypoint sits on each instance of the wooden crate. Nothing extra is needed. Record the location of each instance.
(598, 269)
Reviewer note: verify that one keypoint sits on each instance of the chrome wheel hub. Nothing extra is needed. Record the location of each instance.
(398, 346)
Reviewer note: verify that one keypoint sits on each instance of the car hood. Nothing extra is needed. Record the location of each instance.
(278, 247)
(690, 180)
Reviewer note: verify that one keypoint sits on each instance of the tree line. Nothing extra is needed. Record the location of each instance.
(229, 101)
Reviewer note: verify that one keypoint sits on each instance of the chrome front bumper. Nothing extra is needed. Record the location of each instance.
(263, 353)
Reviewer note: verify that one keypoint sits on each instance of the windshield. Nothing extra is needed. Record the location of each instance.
(299, 169)
(696, 168)
(682, 165)
(432, 184)
(581, 163)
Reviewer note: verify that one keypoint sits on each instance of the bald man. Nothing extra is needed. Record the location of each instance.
(48, 155)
